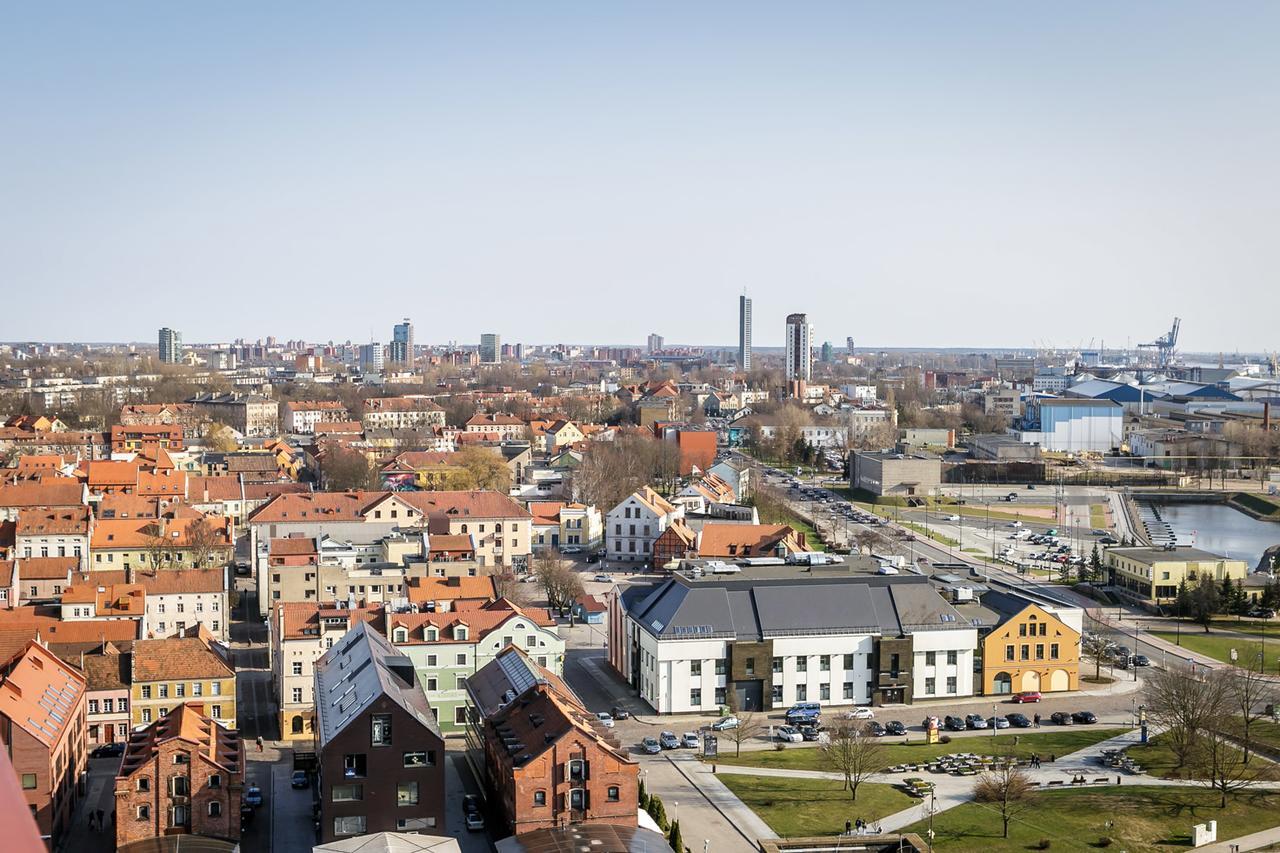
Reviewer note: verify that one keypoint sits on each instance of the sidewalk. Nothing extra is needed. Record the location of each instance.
(1257, 841)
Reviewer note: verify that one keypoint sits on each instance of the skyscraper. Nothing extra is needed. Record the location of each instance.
(744, 332)
(490, 349)
(655, 343)
(170, 346)
(371, 357)
(402, 343)
(828, 352)
(799, 357)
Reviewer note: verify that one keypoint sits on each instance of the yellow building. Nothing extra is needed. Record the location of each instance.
(166, 673)
(1154, 574)
(1031, 650)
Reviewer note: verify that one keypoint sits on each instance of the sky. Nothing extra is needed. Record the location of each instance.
(924, 174)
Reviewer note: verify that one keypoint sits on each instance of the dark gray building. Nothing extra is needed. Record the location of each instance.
(378, 746)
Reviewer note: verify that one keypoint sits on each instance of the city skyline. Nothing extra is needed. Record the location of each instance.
(940, 174)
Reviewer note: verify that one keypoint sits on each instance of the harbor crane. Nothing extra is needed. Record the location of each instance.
(1164, 345)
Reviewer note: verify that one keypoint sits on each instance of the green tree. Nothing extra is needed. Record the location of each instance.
(1206, 603)
(1182, 604)
(644, 796)
(1095, 565)
(674, 838)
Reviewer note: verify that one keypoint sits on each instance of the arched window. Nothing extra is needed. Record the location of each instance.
(1003, 683)
(464, 528)
(215, 809)
(295, 726)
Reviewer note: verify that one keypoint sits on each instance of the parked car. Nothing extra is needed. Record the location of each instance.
(651, 746)
(474, 822)
(253, 796)
(859, 714)
(571, 549)
(1061, 718)
(108, 750)
(873, 728)
(1108, 540)
(603, 578)
(789, 734)
(690, 740)
(812, 733)
(975, 721)
(953, 724)
(724, 723)
(242, 567)
(1141, 660)
(1085, 717)
(1019, 721)
(299, 779)
(470, 803)
(619, 713)
(1262, 613)
(605, 719)
(998, 722)
(1026, 696)
(668, 740)
(894, 727)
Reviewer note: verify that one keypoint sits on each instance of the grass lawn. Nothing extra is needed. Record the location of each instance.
(796, 807)
(1217, 646)
(1060, 740)
(1266, 732)
(931, 533)
(1098, 516)
(1142, 819)
(1157, 759)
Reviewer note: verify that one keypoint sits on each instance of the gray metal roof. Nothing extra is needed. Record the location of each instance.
(358, 669)
(758, 606)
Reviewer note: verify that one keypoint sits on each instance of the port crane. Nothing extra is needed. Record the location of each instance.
(1164, 345)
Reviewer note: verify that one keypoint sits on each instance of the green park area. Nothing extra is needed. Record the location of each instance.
(1219, 646)
(1125, 818)
(794, 807)
(1058, 741)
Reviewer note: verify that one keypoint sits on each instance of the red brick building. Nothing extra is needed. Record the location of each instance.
(547, 761)
(181, 775)
(139, 436)
(42, 727)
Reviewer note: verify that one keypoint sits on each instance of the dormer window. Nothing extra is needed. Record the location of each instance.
(433, 634)
(459, 632)
(400, 634)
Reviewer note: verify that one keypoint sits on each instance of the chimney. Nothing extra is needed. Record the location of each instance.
(1266, 415)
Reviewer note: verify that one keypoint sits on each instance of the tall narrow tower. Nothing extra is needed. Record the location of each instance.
(402, 343)
(799, 356)
(744, 332)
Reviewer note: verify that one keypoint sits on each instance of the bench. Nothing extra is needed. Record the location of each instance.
(1055, 782)
(1102, 780)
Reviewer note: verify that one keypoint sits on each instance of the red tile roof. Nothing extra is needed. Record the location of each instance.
(40, 693)
(60, 492)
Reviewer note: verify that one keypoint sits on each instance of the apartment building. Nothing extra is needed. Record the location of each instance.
(106, 672)
(635, 524)
(449, 647)
(181, 775)
(166, 673)
(180, 599)
(251, 415)
(299, 634)
(504, 427)
(546, 761)
(300, 417)
(380, 752)
(42, 730)
(1154, 574)
(54, 532)
(123, 544)
(398, 413)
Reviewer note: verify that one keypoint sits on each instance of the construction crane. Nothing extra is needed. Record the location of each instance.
(1165, 344)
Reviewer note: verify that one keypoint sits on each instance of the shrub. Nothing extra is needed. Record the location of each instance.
(1105, 841)
(945, 739)
(1044, 844)
(780, 745)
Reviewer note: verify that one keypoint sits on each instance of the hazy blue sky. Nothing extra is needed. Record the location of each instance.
(909, 174)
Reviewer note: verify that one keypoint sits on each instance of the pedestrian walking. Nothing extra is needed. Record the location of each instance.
(1037, 721)
(91, 820)
(848, 827)
(101, 814)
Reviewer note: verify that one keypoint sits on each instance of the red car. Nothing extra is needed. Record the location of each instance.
(1026, 696)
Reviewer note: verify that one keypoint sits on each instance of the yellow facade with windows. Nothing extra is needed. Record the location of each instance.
(1032, 650)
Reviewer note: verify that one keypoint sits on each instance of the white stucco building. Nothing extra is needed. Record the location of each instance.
(634, 525)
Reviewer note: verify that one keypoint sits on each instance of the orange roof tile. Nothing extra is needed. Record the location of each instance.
(179, 658)
(46, 521)
(450, 589)
(60, 492)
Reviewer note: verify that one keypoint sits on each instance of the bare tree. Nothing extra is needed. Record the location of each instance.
(204, 541)
(748, 727)
(347, 469)
(1008, 789)
(158, 548)
(219, 437)
(1182, 702)
(1094, 648)
(559, 581)
(1249, 692)
(853, 752)
(867, 539)
(507, 585)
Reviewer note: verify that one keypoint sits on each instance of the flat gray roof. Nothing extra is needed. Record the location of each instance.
(1157, 555)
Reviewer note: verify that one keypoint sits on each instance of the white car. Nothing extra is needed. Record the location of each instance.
(790, 734)
(952, 518)
(859, 714)
(605, 719)
(1015, 524)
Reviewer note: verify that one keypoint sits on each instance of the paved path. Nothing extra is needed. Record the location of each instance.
(1264, 840)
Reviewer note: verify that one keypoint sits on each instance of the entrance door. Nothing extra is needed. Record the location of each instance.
(1031, 681)
(748, 695)
(109, 733)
